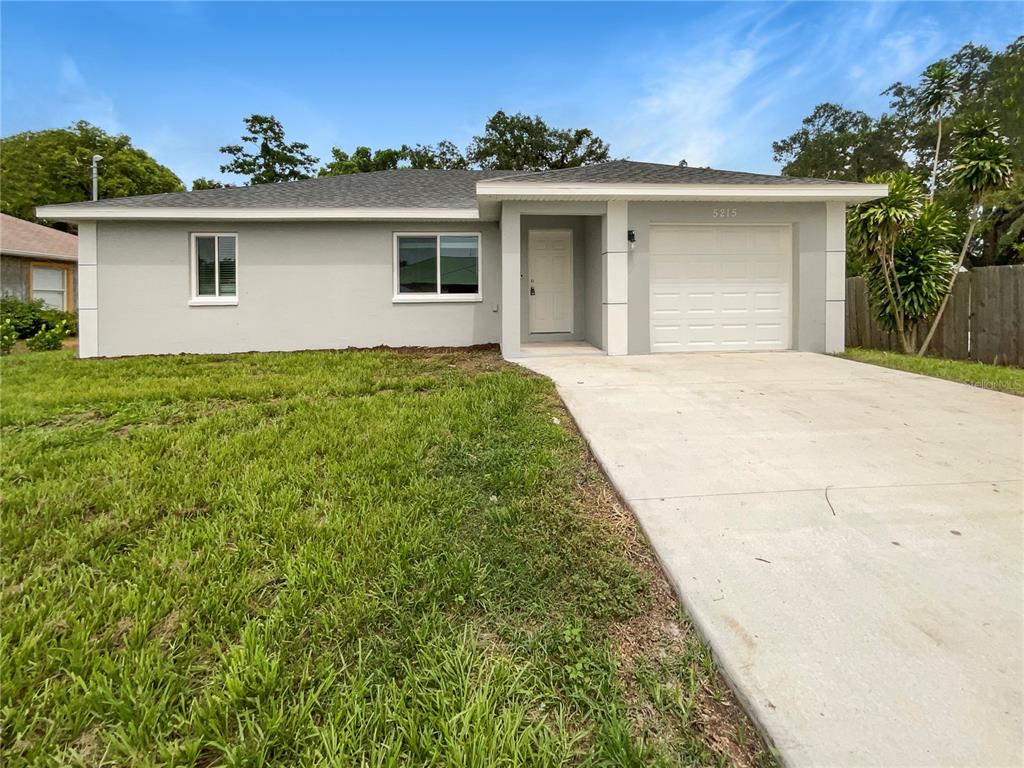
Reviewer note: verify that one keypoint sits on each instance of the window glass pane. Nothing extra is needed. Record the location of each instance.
(417, 264)
(459, 264)
(52, 299)
(205, 268)
(48, 278)
(226, 254)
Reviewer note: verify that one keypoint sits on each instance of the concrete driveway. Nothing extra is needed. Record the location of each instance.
(848, 538)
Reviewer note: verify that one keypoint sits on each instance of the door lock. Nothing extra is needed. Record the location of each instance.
(532, 291)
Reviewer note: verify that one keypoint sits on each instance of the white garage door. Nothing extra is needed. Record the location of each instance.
(720, 287)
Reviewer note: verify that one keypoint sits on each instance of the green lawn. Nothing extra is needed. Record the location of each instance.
(365, 558)
(998, 377)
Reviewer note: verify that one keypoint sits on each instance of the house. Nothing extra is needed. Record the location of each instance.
(629, 257)
(37, 262)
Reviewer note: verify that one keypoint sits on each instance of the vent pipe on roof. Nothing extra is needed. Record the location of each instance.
(95, 177)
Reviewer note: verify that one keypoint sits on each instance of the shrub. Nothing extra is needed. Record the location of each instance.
(49, 338)
(29, 317)
(7, 336)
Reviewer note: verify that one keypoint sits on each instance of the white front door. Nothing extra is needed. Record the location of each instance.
(720, 287)
(549, 268)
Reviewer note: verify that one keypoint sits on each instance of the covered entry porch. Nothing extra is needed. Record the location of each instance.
(564, 278)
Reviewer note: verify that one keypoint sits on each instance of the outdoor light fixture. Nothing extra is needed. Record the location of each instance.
(631, 235)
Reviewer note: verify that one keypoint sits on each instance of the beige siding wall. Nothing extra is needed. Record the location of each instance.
(14, 276)
(301, 285)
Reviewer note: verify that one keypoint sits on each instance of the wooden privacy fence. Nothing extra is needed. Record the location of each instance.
(984, 320)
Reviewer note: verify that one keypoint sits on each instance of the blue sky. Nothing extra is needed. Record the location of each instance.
(714, 83)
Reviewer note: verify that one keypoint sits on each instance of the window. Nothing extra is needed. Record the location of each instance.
(214, 268)
(437, 267)
(51, 285)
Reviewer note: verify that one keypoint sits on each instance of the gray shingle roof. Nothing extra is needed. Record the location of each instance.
(409, 188)
(403, 188)
(634, 172)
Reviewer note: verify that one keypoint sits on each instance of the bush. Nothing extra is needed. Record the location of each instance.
(29, 317)
(49, 338)
(7, 336)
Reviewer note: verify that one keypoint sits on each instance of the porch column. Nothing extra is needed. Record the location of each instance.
(835, 277)
(511, 263)
(614, 277)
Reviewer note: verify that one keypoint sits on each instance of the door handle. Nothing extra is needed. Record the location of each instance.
(532, 291)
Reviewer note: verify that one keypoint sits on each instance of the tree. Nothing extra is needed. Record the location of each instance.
(936, 99)
(923, 264)
(444, 155)
(875, 227)
(362, 160)
(55, 166)
(982, 165)
(522, 143)
(836, 143)
(366, 160)
(273, 159)
(204, 183)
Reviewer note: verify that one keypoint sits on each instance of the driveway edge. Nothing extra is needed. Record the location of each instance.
(754, 711)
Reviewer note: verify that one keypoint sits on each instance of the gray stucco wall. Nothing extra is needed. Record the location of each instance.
(593, 282)
(579, 270)
(808, 222)
(301, 285)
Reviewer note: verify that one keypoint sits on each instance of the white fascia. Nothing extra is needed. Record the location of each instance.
(851, 193)
(118, 213)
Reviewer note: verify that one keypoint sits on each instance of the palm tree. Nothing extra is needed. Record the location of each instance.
(875, 227)
(981, 165)
(936, 97)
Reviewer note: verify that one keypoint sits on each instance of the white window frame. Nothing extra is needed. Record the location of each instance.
(193, 258)
(437, 297)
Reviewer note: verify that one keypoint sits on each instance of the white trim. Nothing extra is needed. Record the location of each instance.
(195, 299)
(789, 192)
(437, 297)
(90, 213)
(214, 301)
(572, 280)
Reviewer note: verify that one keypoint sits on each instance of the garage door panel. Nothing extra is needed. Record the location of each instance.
(735, 240)
(668, 240)
(720, 287)
(735, 302)
(775, 301)
(700, 303)
(768, 333)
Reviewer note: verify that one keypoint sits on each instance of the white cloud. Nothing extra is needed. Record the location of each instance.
(684, 110)
(82, 101)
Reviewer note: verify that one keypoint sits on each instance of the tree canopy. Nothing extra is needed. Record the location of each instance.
(836, 143)
(55, 166)
(264, 155)
(522, 143)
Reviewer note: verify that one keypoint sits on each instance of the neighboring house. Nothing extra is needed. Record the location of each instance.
(37, 262)
(630, 257)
